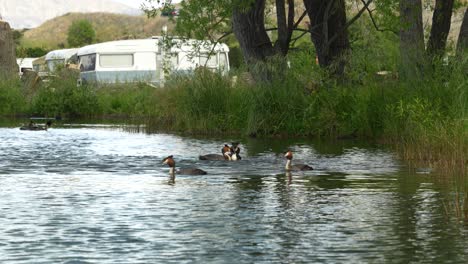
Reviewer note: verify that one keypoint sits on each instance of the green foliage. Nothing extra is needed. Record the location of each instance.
(61, 97)
(153, 8)
(386, 16)
(12, 100)
(35, 52)
(81, 33)
(126, 100)
(235, 57)
(204, 19)
(17, 36)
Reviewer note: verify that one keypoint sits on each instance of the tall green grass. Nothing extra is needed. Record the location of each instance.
(12, 101)
(60, 96)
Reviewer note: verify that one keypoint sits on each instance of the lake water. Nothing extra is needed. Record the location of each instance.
(100, 194)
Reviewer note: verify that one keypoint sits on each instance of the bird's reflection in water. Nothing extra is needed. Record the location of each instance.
(289, 177)
(171, 179)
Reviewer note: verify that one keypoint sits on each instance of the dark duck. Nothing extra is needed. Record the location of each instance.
(296, 167)
(187, 171)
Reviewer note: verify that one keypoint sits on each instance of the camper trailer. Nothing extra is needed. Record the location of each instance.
(40, 66)
(62, 57)
(147, 60)
(25, 64)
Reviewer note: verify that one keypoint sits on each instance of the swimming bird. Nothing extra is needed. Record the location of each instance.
(235, 150)
(188, 171)
(35, 127)
(225, 151)
(296, 167)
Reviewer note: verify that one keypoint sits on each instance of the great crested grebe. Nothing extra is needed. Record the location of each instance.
(188, 171)
(235, 150)
(225, 151)
(296, 167)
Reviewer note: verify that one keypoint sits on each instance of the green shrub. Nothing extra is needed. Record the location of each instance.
(12, 101)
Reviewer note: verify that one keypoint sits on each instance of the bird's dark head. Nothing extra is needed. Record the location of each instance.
(288, 154)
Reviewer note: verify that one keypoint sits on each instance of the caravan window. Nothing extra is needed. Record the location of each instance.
(88, 62)
(212, 61)
(53, 64)
(116, 60)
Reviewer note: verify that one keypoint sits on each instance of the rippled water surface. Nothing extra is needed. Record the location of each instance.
(102, 195)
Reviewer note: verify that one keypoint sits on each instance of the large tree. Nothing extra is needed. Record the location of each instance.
(328, 31)
(462, 46)
(246, 19)
(411, 38)
(248, 24)
(441, 21)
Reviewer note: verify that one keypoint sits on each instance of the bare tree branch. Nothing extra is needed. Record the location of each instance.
(375, 23)
(350, 22)
(300, 19)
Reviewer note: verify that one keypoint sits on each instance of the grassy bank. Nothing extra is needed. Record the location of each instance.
(426, 119)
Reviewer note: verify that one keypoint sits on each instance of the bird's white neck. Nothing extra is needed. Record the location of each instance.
(234, 156)
(171, 170)
(288, 164)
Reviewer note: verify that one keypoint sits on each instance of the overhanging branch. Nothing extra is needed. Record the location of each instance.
(350, 22)
(375, 23)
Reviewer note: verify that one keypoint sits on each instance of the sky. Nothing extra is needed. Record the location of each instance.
(136, 3)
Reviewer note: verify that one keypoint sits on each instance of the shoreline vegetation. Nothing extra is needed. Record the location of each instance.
(424, 119)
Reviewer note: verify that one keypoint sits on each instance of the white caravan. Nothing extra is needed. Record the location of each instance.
(61, 57)
(25, 64)
(146, 60)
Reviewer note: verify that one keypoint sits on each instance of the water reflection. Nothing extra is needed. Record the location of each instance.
(101, 195)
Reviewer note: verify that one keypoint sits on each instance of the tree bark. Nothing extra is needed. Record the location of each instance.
(327, 20)
(285, 25)
(462, 46)
(441, 21)
(411, 38)
(8, 66)
(249, 28)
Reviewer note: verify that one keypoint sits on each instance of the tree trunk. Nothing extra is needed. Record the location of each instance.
(8, 66)
(249, 29)
(327, 22)
(285, 25)
(462, 46)
(440, 27)
(411, 38)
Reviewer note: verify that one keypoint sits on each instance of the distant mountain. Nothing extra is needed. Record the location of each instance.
(32, 13)
(53, 33)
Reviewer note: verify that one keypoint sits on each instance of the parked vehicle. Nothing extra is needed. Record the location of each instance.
(147, 60)
(25, 64)
(40, 66)
(63, 57)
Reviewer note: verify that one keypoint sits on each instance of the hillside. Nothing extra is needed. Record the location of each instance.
(30, 14)
(53, 33)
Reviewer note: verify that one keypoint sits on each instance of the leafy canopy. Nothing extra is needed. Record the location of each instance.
(199, 19)
(81, 33)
